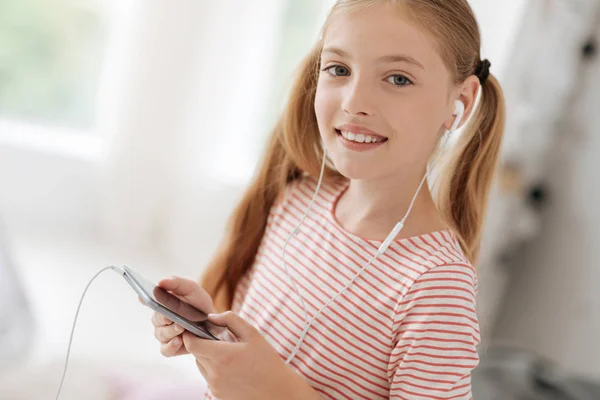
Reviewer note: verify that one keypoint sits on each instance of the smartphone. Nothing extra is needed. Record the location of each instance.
(178, 311)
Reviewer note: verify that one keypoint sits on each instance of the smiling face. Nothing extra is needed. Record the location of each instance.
(381, 80)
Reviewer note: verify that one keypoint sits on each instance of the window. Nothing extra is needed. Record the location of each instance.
(300, 28)
(50, 60)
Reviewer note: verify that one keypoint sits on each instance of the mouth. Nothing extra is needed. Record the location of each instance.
(360, 141)
(361, 137)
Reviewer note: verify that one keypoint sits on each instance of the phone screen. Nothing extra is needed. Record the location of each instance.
(191, 314)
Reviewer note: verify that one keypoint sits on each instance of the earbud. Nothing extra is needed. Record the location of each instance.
(459, 111)
(459, 107)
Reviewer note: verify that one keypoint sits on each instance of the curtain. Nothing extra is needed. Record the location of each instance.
(181, 103)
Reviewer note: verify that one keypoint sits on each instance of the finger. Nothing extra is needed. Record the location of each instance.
(171, 348)
(159, 320)
(236, 324)
(165, 334)
(190, 291)
(203, 349)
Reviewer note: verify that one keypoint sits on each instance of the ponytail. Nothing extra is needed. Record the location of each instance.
(464, 194)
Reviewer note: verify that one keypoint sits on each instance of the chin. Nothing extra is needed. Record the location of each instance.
(353, 168)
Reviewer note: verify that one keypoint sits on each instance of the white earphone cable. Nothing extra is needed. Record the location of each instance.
(62, 380)
(297, 230)
(380, 251)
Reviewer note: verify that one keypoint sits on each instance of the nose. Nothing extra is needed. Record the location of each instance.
(357, 98)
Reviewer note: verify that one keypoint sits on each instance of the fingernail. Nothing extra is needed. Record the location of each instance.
(176, 342)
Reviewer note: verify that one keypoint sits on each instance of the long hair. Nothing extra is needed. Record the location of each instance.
(294, 145)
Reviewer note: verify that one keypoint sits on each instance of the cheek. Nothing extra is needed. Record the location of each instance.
(406, 116)
(414, 132)
(325, 106)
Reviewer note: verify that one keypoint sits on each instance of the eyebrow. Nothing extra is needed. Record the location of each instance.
(385, 59)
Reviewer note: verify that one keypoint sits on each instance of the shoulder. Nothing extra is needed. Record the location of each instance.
(448, 267)
(441, 306)
(445, 293)
(449, 280)
(452, 276)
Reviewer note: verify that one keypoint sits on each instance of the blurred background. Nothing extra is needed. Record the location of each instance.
(129, 128)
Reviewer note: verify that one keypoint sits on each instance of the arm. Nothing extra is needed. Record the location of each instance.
(295, 387)
(436, 333)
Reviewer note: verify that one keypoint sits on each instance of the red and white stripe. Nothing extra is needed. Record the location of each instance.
(406, 329)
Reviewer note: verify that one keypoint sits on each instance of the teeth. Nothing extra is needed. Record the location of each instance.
(360, 138)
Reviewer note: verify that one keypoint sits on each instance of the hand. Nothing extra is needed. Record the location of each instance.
(247, 369)
(168, 333)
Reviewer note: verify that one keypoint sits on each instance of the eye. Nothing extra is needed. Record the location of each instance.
(338, 70)
(399, 80)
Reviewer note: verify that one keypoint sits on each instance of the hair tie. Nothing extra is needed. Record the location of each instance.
(483, 70)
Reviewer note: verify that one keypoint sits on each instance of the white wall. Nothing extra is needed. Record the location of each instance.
(499, 23)
(46, 189)
(60, 188)
(553, 304)
(173, 76)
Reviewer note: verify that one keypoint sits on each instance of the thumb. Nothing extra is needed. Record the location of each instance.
(190, 291)
(242, 330)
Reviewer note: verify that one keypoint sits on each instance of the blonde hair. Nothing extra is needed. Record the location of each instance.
(294, 145)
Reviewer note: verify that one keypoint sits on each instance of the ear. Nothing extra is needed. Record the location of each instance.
(467, 93)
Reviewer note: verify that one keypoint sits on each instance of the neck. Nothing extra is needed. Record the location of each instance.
(371, 208)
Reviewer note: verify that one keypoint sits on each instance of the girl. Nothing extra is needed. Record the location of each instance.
(330, 296)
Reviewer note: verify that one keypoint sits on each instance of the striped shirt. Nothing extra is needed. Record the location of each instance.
(406, 328)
